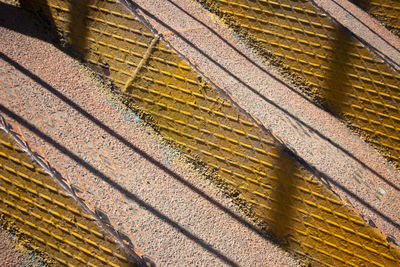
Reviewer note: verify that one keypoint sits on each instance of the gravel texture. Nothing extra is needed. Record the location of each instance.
(12, 255)
(170, 212)
(365, 27)
(9, 255)
(360, 173)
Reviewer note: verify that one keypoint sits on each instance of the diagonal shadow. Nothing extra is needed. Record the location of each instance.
(10, 18)
(153, 161)
(7, 9)
(120, 138)
(77, 26)
(14, 18)
(395, 65)
(338, 185)
(390, 20)
(17, 13)
(366, 4)
(334, 94)
(253, 90)
(367, 26)
(157, 164)
(258, 66)
(180, 179)
(137, 150)
(115, 185)
(282, 212)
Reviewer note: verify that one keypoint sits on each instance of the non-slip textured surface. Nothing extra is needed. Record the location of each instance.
(337, 70)
(120, 167)
(387, 11)
(208, 127)
(40, 209)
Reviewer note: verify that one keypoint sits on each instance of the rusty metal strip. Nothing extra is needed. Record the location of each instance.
(209, 127)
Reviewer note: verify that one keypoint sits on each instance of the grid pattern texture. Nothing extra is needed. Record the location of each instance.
(337, 70)
(208, 127)
(387, 11)
(41, 210)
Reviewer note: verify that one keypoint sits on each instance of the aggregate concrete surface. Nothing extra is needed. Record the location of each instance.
(365, 27)
(11, 255)
(169, 211)
(360, 174)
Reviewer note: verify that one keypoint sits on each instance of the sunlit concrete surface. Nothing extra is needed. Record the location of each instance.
(169, 211)
(370, 183)
(113, 156)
